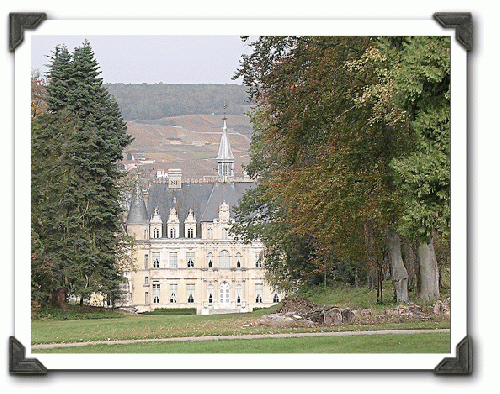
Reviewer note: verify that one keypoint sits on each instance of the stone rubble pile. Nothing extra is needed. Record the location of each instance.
(300, 312)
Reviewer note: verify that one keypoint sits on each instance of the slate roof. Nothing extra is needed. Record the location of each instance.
(228, 192)
(203, 198)
(137, 213)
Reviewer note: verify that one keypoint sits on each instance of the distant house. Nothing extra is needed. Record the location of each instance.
(129, 164)
(161, 174)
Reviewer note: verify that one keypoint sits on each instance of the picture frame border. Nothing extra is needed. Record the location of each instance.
(462, 364)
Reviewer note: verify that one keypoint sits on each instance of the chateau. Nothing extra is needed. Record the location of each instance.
(185, 256)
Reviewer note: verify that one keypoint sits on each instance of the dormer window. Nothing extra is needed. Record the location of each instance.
(190, 225)
(258, 262)
(173, 224)
(155, 224)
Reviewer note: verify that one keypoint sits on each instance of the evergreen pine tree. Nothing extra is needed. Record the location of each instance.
(87, 217)
(59, 75)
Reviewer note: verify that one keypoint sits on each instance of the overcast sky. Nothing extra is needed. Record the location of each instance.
(153, 59)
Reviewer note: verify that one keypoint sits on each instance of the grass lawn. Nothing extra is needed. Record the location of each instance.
(395, 343)
(59, 326)
(151, 327)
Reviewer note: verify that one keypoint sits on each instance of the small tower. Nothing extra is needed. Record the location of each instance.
(137, 219)
(225, 158)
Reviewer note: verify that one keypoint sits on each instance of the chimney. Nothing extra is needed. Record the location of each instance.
(174, 178)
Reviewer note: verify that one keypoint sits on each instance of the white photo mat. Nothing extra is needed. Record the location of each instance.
(242, 27)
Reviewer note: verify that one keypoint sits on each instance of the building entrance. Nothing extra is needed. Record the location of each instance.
(224, 299)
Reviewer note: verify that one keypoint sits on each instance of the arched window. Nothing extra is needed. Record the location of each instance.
(238, 260)
(156, 233)
(173, 293)
(238, 294)
(210, 260)
(190, 293)
(156, 293)
(210, 293)
(258, 293)
(224, 259)
(258, 262)
(172, 233)
(190, 259)
(156, 259)
(276, 298)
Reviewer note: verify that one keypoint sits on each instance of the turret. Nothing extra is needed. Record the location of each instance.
(137, 219)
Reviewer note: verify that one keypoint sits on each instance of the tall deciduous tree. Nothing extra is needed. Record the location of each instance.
(421, 74)
(333, 181)
(86, 138)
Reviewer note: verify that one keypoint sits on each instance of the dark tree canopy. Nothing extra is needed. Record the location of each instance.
(336, 123)
(75, 198)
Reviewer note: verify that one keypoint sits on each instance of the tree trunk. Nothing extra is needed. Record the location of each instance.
(411, 265)
(399, 273)
(429, 272)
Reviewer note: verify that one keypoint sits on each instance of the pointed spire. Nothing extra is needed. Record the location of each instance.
(225, 158)
(225, 152)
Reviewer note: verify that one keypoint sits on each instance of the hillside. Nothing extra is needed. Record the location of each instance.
(189, 142)
(157, 101)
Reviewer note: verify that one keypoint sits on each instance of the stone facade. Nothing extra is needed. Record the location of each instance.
(185, 256)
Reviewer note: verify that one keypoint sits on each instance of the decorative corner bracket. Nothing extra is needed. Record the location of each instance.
(462, 364)
(19, 364)
(18, 22)
(462, 21)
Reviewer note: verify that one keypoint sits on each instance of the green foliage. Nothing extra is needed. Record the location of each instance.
(422, 75)
(76, 312)
(389, 344)
(75, 209)
(321, 154)
(156, 101)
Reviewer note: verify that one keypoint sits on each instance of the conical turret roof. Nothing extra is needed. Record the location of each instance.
(225, 152)
(137, 213)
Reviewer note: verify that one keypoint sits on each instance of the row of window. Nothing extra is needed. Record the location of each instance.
(224, 260)
(172, 233)
(224, 294)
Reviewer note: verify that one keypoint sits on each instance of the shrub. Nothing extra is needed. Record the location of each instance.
(171, 311)
(75, 312)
